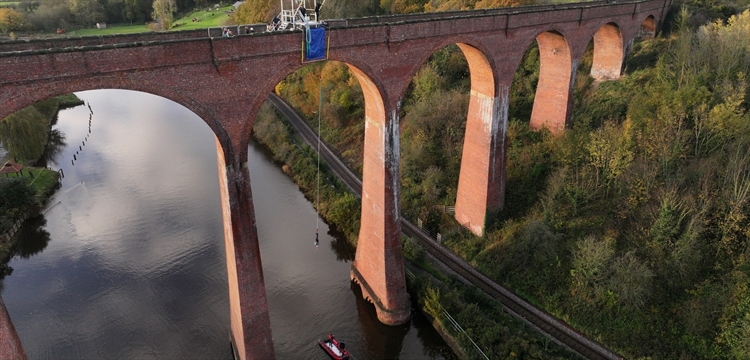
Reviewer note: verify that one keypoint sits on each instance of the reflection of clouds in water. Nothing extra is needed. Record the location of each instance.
(129, 186)
(123, 308)
(135, 266)
(135, 313)
(76, 191)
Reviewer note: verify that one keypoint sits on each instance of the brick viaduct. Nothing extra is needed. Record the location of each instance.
(225, 81)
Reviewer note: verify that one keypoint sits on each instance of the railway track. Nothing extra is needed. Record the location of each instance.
(556, 329)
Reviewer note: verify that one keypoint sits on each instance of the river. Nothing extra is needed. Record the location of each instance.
(128, 259)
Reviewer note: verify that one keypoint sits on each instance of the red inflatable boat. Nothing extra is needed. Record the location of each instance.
(335, 349)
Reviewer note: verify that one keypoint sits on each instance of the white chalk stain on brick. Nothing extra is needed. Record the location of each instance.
(394, 157)
(500, 125)
(486, 110)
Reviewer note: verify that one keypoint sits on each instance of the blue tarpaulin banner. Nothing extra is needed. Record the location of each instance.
(315, 44)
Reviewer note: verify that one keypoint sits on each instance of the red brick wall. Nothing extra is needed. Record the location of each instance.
(10, 344)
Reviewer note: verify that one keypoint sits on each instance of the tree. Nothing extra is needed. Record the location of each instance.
(451, 5)
(15, 196)
(426, 83)
(10, 20)
(24, 134)
(488, 4)
(28, 5)
(407, 6)
(87, 12)
(164, 13)
(448, 5)
(129, 10)
(115, 11)
(346, 9)
(631, 281)
(136, 10)
(256, 11)
(50, 15)
(610, 151)
(591, 268)
(200, 4)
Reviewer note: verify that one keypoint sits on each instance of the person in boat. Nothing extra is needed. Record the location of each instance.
(344, 352)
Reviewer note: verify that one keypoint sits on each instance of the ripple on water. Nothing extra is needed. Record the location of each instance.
(135, 266)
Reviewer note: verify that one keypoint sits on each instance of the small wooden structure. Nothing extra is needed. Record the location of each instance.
(10, 168)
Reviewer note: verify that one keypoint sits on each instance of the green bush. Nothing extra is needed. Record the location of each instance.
(16, 197)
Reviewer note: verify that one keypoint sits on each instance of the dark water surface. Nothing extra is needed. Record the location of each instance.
(128, 260)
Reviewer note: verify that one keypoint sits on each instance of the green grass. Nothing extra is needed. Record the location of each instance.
(207, 19)
(44, 180)
(124, 29)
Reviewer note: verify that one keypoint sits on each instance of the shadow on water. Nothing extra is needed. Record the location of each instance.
(33, 228)
(36, 239)
(343, 249)
(383, 336)
(386, 340)
(430, 338)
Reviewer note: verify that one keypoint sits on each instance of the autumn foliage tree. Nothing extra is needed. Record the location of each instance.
(87, 12)
(50, 15)
(632, 225)
(164, 13)
(10, 20)
(342, 108)
(257, 11)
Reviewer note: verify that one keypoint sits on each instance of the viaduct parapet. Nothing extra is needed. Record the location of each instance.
(225, 81)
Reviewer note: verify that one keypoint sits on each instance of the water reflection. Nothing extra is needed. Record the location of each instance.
(35, 235)
(134, 262)
(386, 342)
(134, 265)
(55, 146)
(36, 238)
(343, 249)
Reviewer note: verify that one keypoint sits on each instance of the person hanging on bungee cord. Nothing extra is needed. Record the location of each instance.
(317, 242)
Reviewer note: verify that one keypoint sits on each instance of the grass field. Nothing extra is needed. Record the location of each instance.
(42, 181)
(206, 19)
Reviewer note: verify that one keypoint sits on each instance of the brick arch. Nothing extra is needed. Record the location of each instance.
(551, 102)
(609, 53)
(648, 27)
(249, 319)
(472, 50)
(374, 106)
(61, 88)
(384, 51)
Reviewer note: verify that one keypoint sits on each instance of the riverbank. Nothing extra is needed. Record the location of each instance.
(473, 324)
(26, 189)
